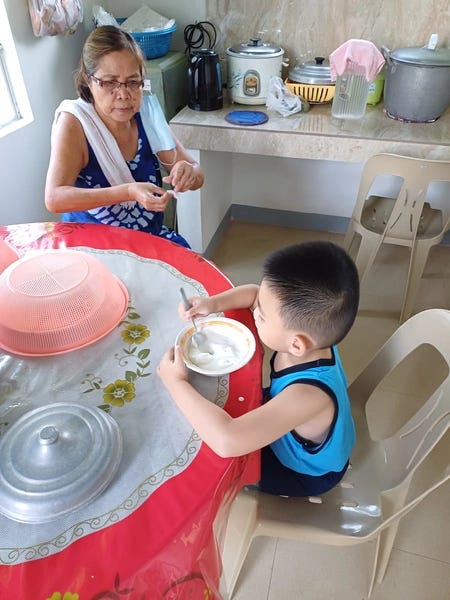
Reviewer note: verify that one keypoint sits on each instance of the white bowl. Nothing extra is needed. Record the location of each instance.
(231, 344)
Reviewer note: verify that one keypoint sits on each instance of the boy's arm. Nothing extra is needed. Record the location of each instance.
(229, 436)
(242, 296)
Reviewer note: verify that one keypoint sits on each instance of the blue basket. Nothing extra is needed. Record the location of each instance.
(153, 43)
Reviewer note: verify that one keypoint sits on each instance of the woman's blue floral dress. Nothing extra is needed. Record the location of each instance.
(144, 167)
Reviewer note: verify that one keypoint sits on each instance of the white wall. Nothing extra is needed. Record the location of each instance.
(47, 66)
(308, 186)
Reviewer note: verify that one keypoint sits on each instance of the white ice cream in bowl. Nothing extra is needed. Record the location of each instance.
(227, 345)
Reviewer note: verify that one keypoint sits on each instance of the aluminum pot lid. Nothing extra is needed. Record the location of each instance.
(314, 72)
(255, 48)
(440, 57)
(55, 459)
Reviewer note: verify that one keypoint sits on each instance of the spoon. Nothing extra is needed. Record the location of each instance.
(198, 337)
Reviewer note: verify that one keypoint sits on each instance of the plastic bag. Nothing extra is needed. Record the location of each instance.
(53, 17)
(103, 17)
(155, 124)
(281, 99)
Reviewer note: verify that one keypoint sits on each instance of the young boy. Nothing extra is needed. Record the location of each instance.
(305, 305)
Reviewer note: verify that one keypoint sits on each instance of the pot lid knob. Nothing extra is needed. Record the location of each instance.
(48, 435)
(255, 41)
(319, 60)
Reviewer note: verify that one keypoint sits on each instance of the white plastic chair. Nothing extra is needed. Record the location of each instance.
(407, 220)
(373, 495)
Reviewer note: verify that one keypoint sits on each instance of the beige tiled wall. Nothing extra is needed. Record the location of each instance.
(308, 28)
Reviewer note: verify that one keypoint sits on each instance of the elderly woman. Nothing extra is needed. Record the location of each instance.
(106, 152)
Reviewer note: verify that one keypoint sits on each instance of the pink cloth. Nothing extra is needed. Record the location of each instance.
(360, 52)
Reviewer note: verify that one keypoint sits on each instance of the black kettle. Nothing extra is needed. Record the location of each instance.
(204, 80)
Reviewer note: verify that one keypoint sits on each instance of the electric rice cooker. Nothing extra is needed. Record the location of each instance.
(250, 66)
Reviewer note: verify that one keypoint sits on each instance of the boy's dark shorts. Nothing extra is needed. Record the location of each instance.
(282, 481)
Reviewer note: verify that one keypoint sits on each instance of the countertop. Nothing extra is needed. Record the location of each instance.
(314, 134)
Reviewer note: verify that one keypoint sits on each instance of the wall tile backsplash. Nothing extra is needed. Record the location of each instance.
(308, 28)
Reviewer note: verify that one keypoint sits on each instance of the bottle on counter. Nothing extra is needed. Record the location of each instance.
(350, 96)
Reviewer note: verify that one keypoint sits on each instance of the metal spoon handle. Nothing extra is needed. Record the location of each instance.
(187, 305)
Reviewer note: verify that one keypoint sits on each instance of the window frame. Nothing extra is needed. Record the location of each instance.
(13, 78)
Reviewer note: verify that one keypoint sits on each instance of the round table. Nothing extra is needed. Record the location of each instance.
(157, 531)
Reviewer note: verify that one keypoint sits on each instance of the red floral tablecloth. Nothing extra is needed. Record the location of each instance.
(166, 544)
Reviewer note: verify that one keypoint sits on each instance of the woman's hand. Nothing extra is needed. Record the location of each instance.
(200, 307)
(183, 176)
(150, 196)
(172, 369)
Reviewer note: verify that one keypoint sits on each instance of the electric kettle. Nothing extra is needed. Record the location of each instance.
(204, 80)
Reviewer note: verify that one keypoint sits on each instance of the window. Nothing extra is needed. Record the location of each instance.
(9, 110)
(15, 110)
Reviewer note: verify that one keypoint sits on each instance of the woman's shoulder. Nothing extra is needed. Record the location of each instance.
(69, 129)
(68, 132)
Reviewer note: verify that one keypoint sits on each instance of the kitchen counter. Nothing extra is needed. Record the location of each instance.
(311, 135)
(314, 134)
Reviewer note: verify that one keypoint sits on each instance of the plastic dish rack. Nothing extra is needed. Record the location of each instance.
(153, 43)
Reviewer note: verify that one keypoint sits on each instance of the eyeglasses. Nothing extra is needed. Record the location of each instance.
(112, 85)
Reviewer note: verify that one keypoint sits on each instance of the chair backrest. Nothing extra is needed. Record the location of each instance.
(406, 450)
(417, 174)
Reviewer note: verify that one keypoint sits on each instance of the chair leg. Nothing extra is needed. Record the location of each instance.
(241, 526)
(385, 544)
(370, 244)
(374, 567)
(391, 503)
(349, 237)
(418, 260)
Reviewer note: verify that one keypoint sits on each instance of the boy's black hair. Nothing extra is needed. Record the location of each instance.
(317, 286)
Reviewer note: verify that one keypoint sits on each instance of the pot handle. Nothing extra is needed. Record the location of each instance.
(285, 62)
(387, 54)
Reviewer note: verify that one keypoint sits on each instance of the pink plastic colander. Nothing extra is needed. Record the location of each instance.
(57, 301)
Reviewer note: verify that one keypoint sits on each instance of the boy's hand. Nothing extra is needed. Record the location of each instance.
(172, 369)
(200, 307)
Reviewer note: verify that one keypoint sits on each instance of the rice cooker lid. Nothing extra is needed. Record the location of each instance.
(55, 459)
(439, 57)
(312, 72)
(255, 48)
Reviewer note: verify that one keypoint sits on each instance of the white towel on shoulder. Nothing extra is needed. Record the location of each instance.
(103, 142)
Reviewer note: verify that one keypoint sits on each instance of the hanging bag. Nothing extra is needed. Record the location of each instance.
(53, 17)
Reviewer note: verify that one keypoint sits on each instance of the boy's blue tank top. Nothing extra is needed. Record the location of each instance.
(334, 452)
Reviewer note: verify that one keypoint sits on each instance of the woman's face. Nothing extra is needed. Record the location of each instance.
(113, 102)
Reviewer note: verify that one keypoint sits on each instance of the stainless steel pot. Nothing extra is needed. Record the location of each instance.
(315, 72)
(312, 81)
(417, 86)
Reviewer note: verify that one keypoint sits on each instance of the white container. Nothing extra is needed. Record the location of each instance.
(350, 97)
(250, 67)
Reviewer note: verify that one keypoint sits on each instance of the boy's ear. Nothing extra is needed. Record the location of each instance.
(300, 344)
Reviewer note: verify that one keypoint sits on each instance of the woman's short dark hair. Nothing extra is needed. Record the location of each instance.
(100, 42)
(317, 286)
